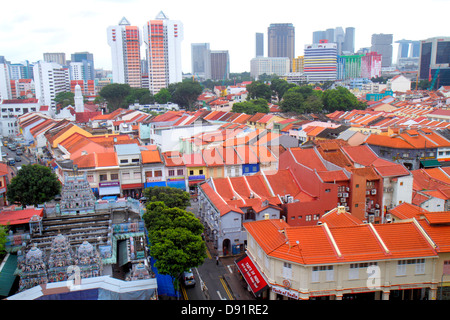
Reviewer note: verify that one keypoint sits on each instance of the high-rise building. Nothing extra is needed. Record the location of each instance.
(201, 60)
(408, 55)
(320, 62)
(281, 40)
(269, 65)
(259, 41)
(435, 58)
(87, 60)
(298, 64)
(56, 57)
(382, 43)
(220, 65)
(349, 40)
(125, 43)
(163, 39)
(50, 79)
(371, 65)
(349, 67)
(5, 85)
(319, 35)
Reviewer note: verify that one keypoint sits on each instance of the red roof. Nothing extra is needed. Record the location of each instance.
(15, 217)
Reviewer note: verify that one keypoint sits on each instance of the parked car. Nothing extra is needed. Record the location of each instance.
(18, 159)
(188, 278)
(19, 152)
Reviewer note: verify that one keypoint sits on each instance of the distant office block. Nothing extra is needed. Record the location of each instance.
(220, 65)
(281, 40)
(269, 66)
(259, 41)
(382, 44)
(56, 57)
(435, 58)
(201, 60)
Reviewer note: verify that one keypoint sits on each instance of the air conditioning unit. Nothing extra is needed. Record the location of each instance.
(368, 192)
(290, 199)
(339, 195)
(345, 195)
(342, 199)
(371, 218)
(347, 189)
(377, 206)
(374, 191)
(344, 204)
(377, 213)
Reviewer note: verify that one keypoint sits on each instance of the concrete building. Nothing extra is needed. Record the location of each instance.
(201, 60)
(269, 66)
(125, 43)
(50, 79)
(320, 62)
(162, 38)
(220, 64)
(5, 85)
(281, 40)
(382, 44)
(259, 44)
(56, 57)
(435, 59)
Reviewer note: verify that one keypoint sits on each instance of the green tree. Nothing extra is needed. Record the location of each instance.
(252, 106)
(64, 99)
(163, 96)
(340, 99)
(33, 185)
(280, 86)
(172, 197)
(185, 93)
(3, 234)
(258, 89)
(140, 95)
(115, 95)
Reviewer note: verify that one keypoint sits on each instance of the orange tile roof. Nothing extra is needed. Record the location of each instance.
(229, 156)
(406, 211)
(151, 156)
(212, 157)
(334, 218)
(173, 159)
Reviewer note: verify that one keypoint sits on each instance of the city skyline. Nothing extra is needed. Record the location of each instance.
(27, 31)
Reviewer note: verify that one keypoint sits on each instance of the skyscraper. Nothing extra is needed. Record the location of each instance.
(382, 43)
(259, 41)
(125, 43)
(57, 57)
(201, 60)
(281, 40)
(50, 79)
(163, 39)
(220, 65)
(87, 61)
(435, 57)
(349, 40)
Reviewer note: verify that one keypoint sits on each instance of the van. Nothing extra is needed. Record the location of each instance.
(11, 161)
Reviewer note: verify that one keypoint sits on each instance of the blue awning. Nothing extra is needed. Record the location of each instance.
(7, 276)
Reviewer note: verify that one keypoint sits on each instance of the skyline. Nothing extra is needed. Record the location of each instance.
(28, 31)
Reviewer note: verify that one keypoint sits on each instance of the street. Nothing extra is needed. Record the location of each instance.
(213, 278)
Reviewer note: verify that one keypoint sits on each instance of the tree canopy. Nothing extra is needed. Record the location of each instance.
(3, 234)
(185, 93)
(252, 106)
(258, 89)
(34, 184)
(115, 95)
(172, 197)
(64, 99)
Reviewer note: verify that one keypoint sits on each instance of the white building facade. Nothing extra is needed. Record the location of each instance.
(50, 79)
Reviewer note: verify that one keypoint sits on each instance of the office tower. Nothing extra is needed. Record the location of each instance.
(87, 60)
(50, 79)
(125, 43)
(259, 41)
(339, 37)
(320, 62)
(220, 65)
(371, 65)
(163, 39)
(5, 84)
(269, 65)
(349, 41)
(298, 64)
(56, 57)
(319, 35)
(435, 58)
(281, 40)
(382, 43)
(201, 60)
(330, 35)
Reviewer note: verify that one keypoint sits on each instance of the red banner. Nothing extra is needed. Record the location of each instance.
(251, 275)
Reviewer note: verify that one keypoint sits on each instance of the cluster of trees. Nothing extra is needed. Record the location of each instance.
(175, 235)
(118, 95)
(304, 98)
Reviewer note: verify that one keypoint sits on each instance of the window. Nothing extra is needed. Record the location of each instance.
(329, 273)
(353, 271)
(90, 178)
(171, 173)
(114, 176)
(103, 177)
(125, 175)
(420, 266)
(316, 216)
(401, 267)
(136, 174)
(158, 173)
(135, 160)
(287, 270)
(200, 172)
(180, 172)
(124, 161)
(308, 217)
(191, 172)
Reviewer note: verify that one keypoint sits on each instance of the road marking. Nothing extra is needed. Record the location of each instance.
(218, 293)
(183, 291)
(226, 288)
(229, 268)
(208, 254)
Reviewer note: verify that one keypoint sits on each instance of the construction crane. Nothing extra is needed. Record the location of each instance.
(436, 74)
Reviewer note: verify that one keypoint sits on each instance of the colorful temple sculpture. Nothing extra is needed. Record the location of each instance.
(77, 196)
(32, 268)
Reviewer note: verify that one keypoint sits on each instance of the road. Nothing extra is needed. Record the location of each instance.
(209, 277)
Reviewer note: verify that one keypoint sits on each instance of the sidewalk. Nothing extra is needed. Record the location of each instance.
(232, 276)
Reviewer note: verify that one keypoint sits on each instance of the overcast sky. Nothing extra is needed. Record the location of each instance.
(29, 28)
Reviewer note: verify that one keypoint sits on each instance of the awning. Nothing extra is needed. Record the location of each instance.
(430, 163)
(251, 274)
(131, 186)
(106, 191)
(7, 276)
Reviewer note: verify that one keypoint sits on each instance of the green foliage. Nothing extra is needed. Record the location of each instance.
(185, 93)
(172, 197)
(280, 87)
(140, 95)
(115, 95)
(33, 185)
(340, 99)
(3, 234)
(258, 89)
(64, 99)
(163, 96)
(303, 99)
(252, 106)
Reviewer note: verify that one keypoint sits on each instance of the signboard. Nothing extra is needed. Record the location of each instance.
(285, 292)
(251, 275)
(109, 184)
